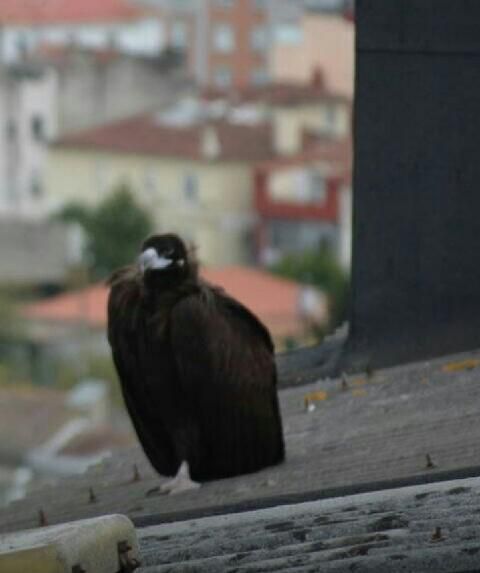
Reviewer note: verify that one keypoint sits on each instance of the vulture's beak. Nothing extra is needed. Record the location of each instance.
(150, 259)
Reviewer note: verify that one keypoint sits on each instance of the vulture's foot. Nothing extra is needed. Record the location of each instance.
(181, 482)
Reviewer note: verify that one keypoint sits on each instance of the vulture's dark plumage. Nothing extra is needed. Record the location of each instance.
(196, 368)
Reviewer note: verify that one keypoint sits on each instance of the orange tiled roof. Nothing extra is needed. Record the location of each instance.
(274, 300)
(40, 12)
(144, 135)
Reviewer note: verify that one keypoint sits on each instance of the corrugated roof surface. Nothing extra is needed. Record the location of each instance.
(380, 428)
(416, 529)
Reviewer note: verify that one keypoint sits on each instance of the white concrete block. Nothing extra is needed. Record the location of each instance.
(92, 546)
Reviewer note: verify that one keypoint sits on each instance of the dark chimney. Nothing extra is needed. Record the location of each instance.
(416, 222)
(318, 79)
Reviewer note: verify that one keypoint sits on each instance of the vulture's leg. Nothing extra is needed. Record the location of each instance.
(181, 482)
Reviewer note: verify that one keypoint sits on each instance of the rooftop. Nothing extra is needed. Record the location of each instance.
(274, 300)
(41, 12)
(416, 529)
(147, 135)
(408, 425)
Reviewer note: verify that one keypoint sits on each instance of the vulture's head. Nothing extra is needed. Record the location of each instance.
(164, 259)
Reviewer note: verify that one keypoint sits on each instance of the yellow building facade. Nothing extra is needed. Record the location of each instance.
(195, 175)
(208, 203)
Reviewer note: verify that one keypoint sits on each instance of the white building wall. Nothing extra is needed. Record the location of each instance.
(146, 36)
(69, 98)
(345, 228)
(37, 103)
(27, 121)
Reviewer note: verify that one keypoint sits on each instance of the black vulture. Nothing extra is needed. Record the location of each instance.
(196, 368)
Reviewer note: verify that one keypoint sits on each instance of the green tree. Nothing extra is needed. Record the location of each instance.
(113, 230)
(319, 269)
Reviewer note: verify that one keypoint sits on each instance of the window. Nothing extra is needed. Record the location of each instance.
(310, 186)
(11, 131)
(259, 76)
(149, 183)
(222, 77)
(331, 116)
(190, 188)
(258, 38)
(318, 188)
(99, 176)
(288, 34)
(290, 236)
(37, 127)
(179, 34)
(223, 38)
(36, 187)
(21, 45)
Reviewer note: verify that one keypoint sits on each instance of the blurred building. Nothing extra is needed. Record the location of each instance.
(304, 202)
(194, 180)
(226, 43)
(60, 89)
(119, 24)
(36, 253)
(96, 86)
(193, 166)
(316, 41)
(231, 44)
(27, 114)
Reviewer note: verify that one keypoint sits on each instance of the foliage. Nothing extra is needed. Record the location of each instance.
(113, 230)
(75, 213)
(10, 328)
(319, 269)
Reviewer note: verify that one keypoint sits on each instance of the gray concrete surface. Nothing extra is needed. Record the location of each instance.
(388, 531)
(377, 428)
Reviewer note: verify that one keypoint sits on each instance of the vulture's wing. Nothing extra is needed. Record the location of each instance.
(127, 339)
(226, 370)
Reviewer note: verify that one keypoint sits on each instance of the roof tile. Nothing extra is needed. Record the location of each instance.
(145, 135)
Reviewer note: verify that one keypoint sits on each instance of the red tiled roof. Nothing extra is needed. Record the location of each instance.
(40, 12)
(59, 54)
(278, 93)
(144, 135)
(274, 300)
